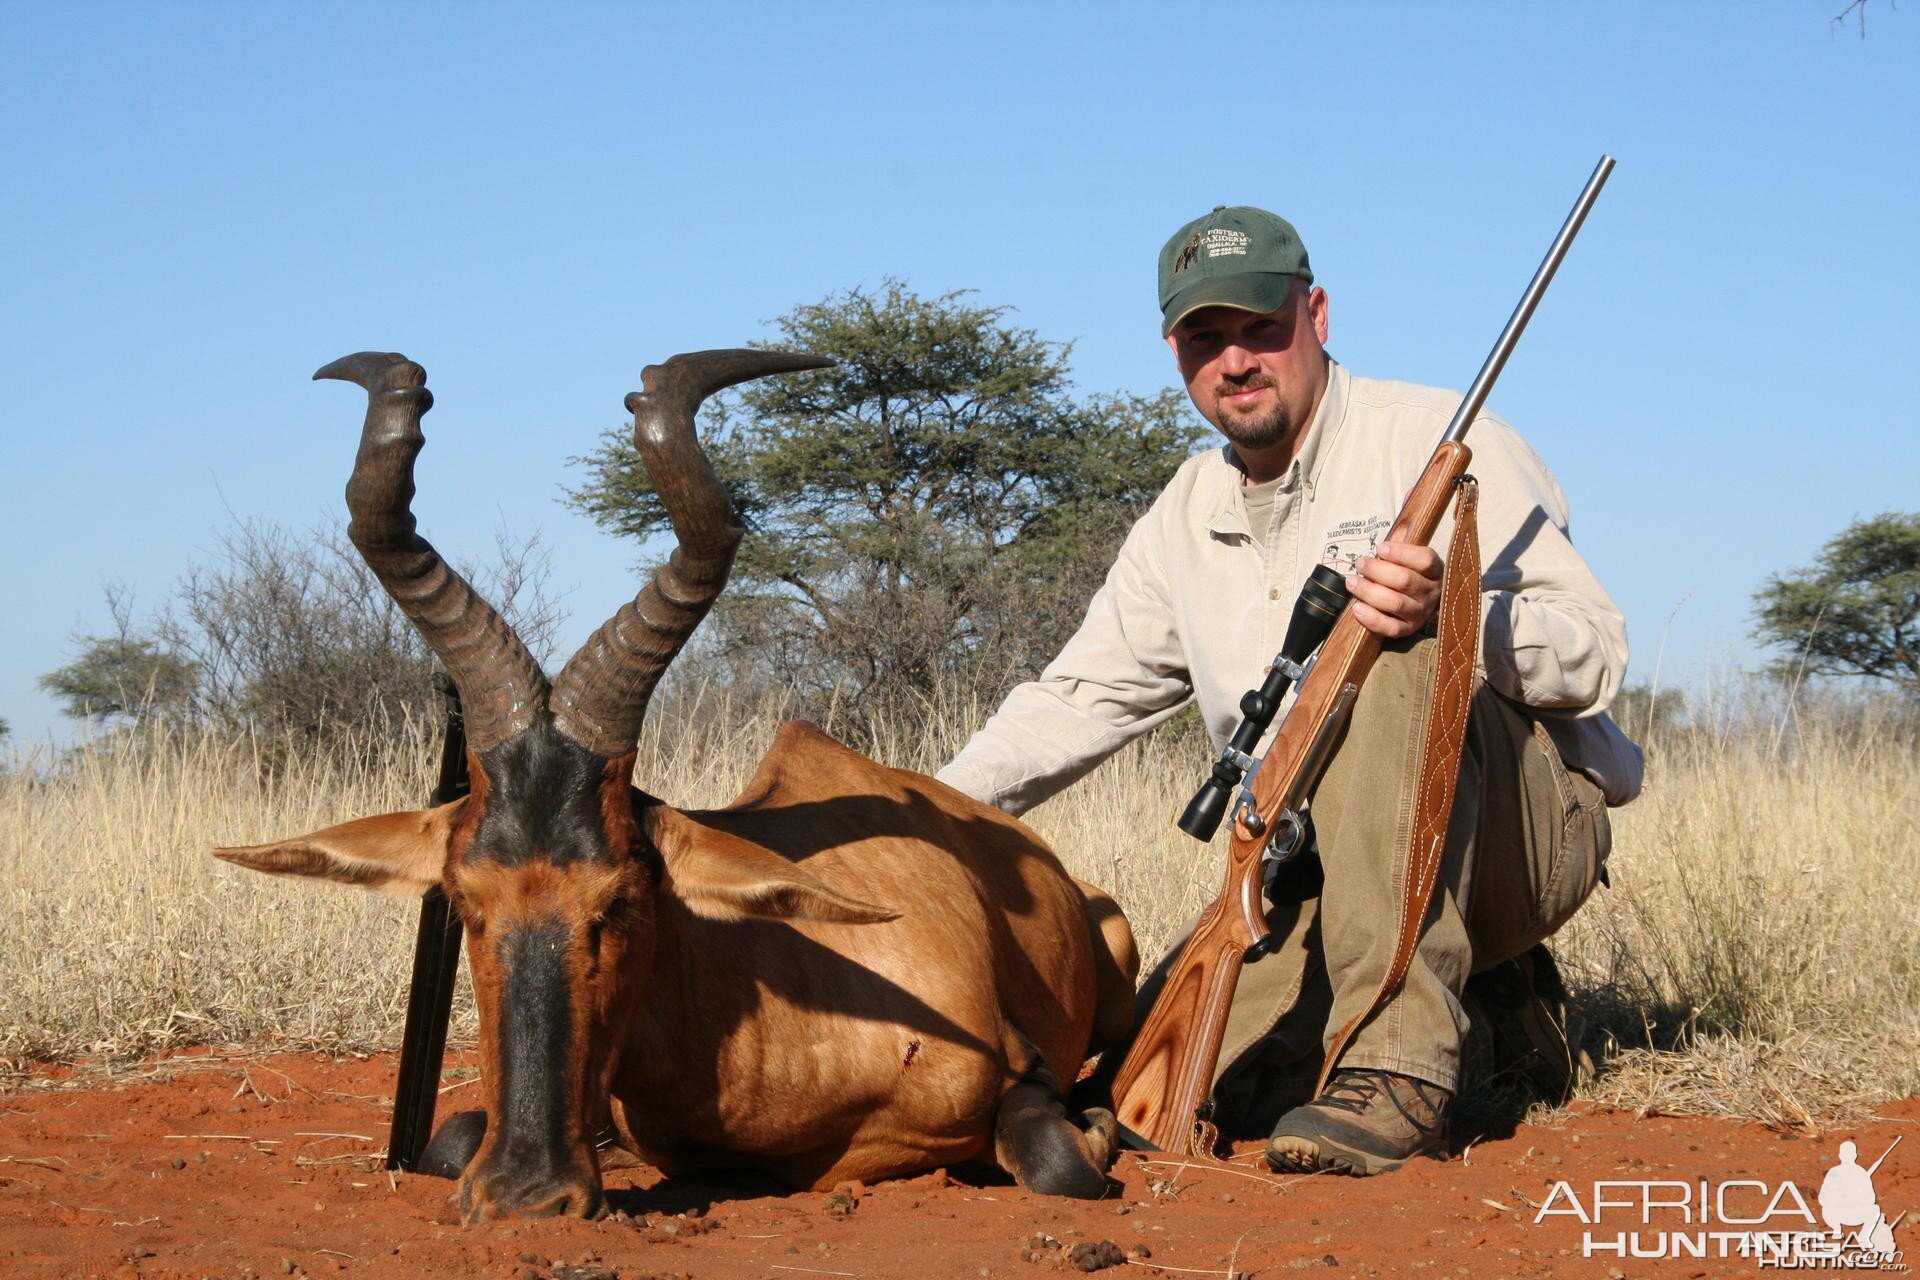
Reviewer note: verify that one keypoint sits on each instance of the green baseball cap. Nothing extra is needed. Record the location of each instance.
(1233, 257)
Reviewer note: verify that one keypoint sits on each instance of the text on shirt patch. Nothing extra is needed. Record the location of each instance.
(1351, 541)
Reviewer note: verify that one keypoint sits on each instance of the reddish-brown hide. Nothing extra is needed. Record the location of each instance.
(851, 972)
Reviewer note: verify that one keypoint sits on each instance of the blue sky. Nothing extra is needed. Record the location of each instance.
(206, 202)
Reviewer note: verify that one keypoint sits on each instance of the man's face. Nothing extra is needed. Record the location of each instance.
(1256, 377)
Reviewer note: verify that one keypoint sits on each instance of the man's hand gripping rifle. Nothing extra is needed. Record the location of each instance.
(1163, 1083)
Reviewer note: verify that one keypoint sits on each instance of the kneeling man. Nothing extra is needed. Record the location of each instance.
(1316, 463)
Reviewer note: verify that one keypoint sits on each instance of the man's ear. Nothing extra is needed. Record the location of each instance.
(722, 877)
(1317, 312)
(400, 853)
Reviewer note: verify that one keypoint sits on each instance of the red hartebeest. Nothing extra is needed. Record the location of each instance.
(851, 972)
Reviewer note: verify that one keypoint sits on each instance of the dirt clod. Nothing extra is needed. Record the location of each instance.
(1041, 1247)
(585, 1271)
(1096, 1255)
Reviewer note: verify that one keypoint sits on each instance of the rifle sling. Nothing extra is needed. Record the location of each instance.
(1451, 698)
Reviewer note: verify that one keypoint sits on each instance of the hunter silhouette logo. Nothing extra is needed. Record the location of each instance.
(1772, 1225)
(1847, 1200)
(1189, 255)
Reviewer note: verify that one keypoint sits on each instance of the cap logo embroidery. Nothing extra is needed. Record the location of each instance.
(1188, 256)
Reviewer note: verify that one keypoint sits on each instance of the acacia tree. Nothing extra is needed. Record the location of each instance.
(129, 673)
(938, 502)
(1856, 609)
(121, 675)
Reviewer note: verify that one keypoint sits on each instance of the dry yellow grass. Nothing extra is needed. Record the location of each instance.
(1755, 955)
(1759, 951)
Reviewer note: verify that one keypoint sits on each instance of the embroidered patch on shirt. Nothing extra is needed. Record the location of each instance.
(1351, 541)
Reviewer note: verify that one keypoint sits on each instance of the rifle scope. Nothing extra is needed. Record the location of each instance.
(1314, 613)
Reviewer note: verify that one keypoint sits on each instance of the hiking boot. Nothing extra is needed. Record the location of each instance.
(1517, 1013)
(1367, 1122)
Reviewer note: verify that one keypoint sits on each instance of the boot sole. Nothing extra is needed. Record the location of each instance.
(1293, 1154)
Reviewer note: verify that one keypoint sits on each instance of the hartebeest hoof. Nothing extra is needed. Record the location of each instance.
(1044, 1151)
(452, 1148)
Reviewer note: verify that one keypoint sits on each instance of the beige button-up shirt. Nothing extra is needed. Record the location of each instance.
(1196, 607)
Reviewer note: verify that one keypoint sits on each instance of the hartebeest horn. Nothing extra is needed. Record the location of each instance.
(501, 686)
(600, 699)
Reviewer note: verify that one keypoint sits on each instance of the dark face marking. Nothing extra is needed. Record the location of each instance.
(544, 802)
(536, 1048)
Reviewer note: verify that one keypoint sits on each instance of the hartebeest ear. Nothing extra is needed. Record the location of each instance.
(722, 877)
(400, 853)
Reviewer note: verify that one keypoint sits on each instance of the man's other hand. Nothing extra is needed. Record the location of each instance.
(1396, 589)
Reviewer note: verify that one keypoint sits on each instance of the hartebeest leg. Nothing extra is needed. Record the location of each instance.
(1116, 968)
(1044, 1151)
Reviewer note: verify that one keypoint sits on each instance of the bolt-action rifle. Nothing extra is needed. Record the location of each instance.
(1164, 1081)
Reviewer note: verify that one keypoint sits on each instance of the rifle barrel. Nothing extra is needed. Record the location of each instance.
(1476, 397)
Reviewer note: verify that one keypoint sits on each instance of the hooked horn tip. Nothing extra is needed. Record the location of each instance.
(701, 373)
(374, 370)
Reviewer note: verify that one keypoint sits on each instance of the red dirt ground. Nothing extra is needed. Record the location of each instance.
(269, 1166)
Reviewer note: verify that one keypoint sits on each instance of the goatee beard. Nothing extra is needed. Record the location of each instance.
(1261, 431)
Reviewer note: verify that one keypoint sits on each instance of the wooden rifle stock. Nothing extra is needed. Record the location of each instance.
(1167, 1074)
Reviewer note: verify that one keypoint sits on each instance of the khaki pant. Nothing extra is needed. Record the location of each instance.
(1524, 849)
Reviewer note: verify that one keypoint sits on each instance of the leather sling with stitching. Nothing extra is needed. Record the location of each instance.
(1451, 699)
